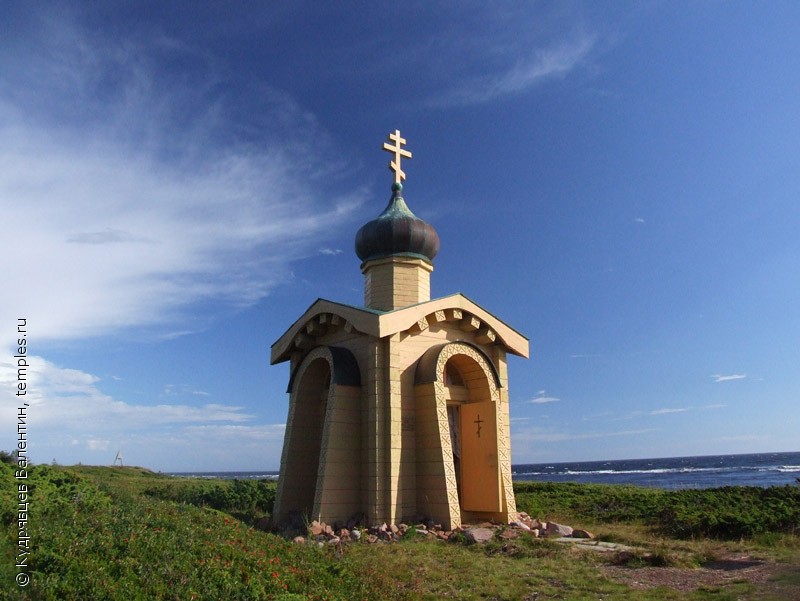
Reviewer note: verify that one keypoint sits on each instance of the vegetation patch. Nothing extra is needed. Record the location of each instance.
(105, 533)
(730, 513)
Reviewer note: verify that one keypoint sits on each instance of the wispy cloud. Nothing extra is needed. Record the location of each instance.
(520, 73)
(542, 398)
(330, 251)
(171, 390)
(728, 378)
(539, 435)
(609, 416)
(65, 397)
(668, 410)
(131, 215)
(72, 412)
(586, 355)
(639, 220)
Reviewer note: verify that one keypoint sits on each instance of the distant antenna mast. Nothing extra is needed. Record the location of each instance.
(118, 459)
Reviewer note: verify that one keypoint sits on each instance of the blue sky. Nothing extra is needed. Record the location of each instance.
(619, 182)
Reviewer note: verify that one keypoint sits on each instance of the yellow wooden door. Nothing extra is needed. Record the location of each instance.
(480, 473)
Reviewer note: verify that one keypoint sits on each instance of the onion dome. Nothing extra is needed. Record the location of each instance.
(397, 232)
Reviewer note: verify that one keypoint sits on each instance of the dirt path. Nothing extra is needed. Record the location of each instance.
(770, 580)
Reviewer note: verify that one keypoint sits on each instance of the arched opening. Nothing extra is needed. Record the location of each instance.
(472, 420)
(305, 441)
(452, 377)
(461, 421)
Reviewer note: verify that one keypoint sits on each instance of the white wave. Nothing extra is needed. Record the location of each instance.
(675, 470)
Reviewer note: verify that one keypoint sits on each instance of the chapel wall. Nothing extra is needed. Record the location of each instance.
(339, 486)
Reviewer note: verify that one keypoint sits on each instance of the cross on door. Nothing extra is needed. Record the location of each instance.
(478, 421)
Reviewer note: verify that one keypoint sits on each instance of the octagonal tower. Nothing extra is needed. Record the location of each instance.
(398, 410)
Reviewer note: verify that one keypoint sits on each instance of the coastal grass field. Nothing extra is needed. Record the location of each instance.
(103, 533)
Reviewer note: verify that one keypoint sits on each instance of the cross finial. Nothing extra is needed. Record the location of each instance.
(399, 151)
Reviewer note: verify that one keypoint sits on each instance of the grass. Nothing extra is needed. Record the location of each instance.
(729, 512)
(104, 533)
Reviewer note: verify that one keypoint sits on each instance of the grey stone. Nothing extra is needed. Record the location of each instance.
(479, 535)
(316, 528)
(554, 529)
(578, 533)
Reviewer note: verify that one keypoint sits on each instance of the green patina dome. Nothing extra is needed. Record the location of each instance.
(397, 232)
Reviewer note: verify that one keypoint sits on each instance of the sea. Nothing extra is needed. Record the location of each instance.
(711, 471)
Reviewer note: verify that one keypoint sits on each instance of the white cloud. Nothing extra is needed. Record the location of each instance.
(171, 390)
(97, 445)
(70, 398)
(539, 435)
(668, 410)
(522, 73)
(609, 416)
(121, 212)
(330, 251)
(71, 419)
(639, 220)
(722, 378)
(542, 398)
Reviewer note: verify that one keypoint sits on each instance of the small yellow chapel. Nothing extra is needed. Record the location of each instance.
(397, 409)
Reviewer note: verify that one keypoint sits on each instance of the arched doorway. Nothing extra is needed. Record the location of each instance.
(322, 445)
(300, 464)
(463, 466)
(472, 421)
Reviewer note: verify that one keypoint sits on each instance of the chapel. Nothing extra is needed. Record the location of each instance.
(398, 409)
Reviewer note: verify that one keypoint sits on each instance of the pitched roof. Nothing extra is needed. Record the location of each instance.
(379, 324)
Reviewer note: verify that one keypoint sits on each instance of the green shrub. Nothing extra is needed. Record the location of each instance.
(246, 498)
(95, 537)
(724, 513)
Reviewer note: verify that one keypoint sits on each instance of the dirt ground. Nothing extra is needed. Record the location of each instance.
(770, 580)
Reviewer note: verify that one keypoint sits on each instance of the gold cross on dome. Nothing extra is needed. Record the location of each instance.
(399, 151)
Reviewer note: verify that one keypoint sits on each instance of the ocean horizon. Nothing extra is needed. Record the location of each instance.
(706, 471)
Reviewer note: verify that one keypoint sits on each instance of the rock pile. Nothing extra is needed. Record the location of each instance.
(325, 534)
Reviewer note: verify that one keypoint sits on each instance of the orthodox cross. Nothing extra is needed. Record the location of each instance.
(478, 421)
(399, 151)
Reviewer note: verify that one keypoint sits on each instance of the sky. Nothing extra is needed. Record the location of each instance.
(619, 182)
